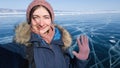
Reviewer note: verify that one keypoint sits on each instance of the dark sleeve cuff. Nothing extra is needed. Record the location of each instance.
(81, 63)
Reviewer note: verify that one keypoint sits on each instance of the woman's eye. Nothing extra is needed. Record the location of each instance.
(47, 17)
(34, 17)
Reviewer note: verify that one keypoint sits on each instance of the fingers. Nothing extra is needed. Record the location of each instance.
(85, 43)
(33, 29)
(79, 42)
(83, 40)
(75, 53)
(83, 47)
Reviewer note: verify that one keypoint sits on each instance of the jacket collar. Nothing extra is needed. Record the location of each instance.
(57, 40)
(23, 35)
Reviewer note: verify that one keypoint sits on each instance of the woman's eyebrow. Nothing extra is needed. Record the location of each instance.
(47, 15)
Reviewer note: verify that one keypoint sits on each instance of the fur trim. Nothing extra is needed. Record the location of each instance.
(23, 33)
(66, 37)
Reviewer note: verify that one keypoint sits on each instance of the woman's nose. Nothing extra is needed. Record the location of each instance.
(40, 21)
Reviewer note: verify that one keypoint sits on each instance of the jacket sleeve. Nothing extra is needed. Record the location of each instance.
(12, 56)
(76, 63)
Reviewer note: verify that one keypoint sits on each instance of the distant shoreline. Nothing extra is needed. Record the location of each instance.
(7, 11)
(61, 13)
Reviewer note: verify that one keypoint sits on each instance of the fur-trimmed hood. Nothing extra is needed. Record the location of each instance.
(23, 34)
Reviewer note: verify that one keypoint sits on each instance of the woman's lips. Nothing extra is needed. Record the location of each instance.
(41, 28)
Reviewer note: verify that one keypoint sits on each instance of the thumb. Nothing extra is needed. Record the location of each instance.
(75, 53)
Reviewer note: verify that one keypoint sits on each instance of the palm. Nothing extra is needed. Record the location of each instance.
(83, 48)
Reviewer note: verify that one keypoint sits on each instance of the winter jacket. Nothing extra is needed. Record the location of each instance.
(39, 54)
(12, 56)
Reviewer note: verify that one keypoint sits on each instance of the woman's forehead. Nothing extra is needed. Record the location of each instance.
(41, 10)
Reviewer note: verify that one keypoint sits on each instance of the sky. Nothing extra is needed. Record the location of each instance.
(67, 5)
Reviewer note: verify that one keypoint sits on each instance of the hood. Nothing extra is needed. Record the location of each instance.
(23, 34)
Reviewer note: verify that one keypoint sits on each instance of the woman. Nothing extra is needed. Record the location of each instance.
(47, 43)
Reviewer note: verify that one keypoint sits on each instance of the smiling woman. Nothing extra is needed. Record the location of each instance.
(102, 28)
(41, 23)
(45, 44)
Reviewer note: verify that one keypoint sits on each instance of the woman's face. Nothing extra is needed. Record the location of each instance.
(40, 21)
